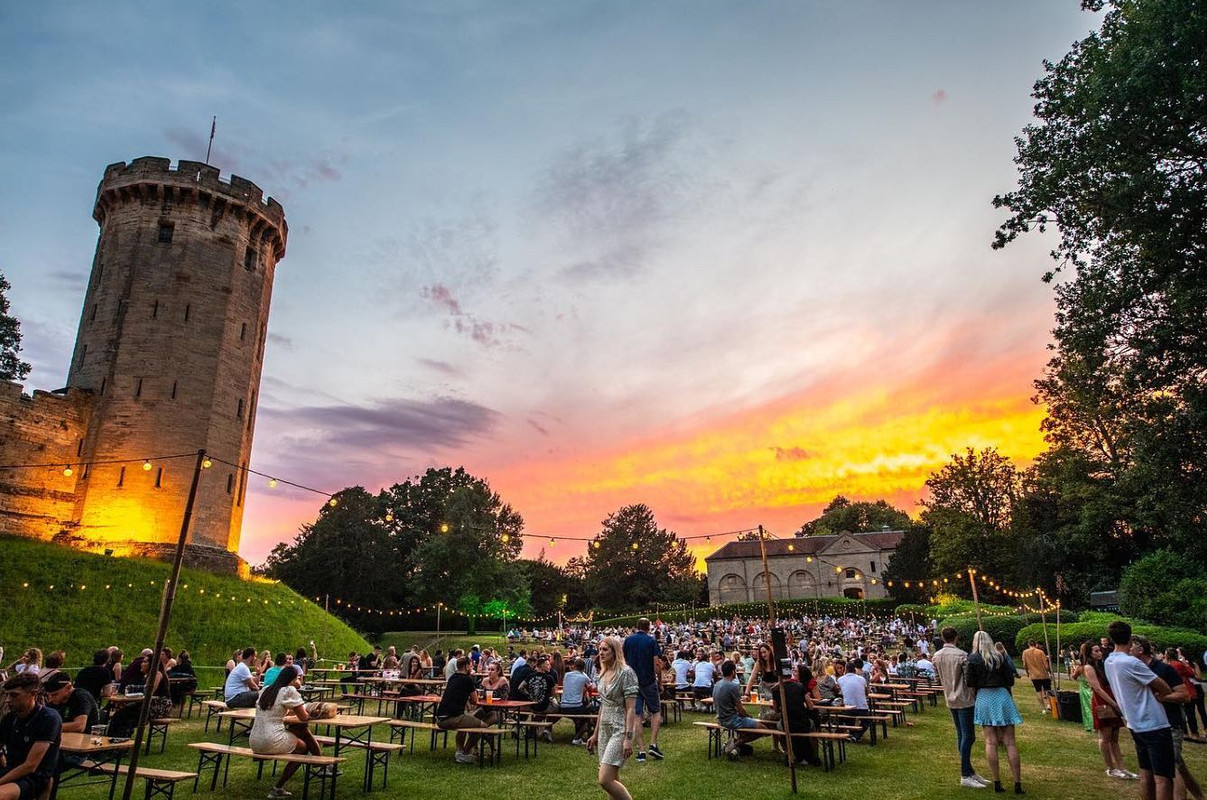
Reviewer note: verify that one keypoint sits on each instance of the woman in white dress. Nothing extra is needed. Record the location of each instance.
(271, 735)
(617, 721)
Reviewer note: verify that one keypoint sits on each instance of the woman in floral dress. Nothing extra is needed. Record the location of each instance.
(617, 723)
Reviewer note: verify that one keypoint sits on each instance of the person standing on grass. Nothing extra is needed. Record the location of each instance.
(1173, 704)
(1139, 693)
(617, 721)
(640, 650)
(949, 666)
(992, 675)
(1035, 662)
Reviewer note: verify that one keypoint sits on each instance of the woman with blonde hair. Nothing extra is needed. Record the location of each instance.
(992, 674)
(617, 722)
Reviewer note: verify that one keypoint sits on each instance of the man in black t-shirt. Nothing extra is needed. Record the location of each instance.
(799, 721)
(30, 734)
(369, 661)
(74, 705)
(94, 679)
(452, 713)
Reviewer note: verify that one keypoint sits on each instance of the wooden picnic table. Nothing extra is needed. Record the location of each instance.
(345, 726)
(511, 712)
(420, 701)
(107, 750)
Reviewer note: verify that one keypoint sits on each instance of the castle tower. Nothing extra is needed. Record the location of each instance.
(171, 345)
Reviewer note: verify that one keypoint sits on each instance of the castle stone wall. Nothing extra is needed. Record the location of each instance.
(43, 429)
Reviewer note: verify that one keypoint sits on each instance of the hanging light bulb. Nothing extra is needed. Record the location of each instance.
(552, 542)
(389, 517)
(634, 545)
(333, 502)
(595, 544)
(791, 547)
(505, 538)
(146, 465)
(67, 471)
(808, 559)
(206, 463)
(444, 527)
(272, 483)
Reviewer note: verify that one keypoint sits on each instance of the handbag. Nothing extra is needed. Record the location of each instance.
(1107, 712)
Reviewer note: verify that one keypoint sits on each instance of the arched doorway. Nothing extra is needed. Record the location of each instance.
(732, 589)
(853, 593)
(801, 585)
(759, 587)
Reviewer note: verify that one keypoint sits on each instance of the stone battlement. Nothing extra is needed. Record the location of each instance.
(191, 176)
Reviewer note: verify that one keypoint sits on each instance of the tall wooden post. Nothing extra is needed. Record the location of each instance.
(975, 600)
(165, 617)
(789, 749)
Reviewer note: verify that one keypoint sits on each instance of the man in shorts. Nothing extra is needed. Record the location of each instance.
(640, 650)
(731, 714)
(30, 735)
(1035, 661)
(1139, 693)
(1184, 781)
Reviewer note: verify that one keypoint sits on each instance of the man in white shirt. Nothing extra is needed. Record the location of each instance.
(1139, 693)
(241, 689)
(682, 666)
(705, 674)
(854, 689)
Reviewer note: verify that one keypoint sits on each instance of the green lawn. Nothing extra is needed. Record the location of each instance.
(1059, 761)
(430, 641)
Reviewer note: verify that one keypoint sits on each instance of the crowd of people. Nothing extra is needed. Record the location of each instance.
(613, 681)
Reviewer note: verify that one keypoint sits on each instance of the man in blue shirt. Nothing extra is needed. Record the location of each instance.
(640, 650)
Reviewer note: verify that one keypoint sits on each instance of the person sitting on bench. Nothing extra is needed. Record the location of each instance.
(30, 735)
(270, 735)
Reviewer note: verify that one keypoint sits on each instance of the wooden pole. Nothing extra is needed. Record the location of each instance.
(165, 616)
(1058, 668)
(975, 600)
(789, 750)
(1043, 616)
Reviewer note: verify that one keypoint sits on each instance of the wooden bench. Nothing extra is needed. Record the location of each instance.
(158, 728)
(212, 709)
(217, 757)
(532, 730)
(399, 728)
(159, 782)
(554, 716)
(718, 733)
(872, 719)
(379, 755)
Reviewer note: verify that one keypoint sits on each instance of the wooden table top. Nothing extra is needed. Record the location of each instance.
(338, 721)
(417, 698)
(81, 743)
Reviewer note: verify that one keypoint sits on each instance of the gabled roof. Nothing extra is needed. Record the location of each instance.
(807, 545)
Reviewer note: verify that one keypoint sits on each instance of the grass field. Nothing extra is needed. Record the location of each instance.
(58, 598)
(1059, 760)
(429, 641)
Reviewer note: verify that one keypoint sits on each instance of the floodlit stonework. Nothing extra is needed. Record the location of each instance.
(167, 360)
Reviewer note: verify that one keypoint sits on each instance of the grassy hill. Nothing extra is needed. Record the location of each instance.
(55, 598)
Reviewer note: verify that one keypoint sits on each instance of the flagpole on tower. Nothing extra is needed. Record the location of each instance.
(210, 146)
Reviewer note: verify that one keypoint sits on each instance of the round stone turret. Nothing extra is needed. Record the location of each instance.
(171, 344)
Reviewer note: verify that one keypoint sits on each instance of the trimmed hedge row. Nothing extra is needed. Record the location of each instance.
(1075, 634)
(1006, 629)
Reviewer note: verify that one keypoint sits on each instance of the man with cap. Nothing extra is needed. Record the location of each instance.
(75, 706)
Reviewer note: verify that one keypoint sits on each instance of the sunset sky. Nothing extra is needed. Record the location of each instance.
(727, 259)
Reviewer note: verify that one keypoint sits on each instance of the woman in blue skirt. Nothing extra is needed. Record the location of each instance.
(992, 675)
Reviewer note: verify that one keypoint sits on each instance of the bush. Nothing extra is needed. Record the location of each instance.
(827, 605)
(1073, 635)
(1165, 589)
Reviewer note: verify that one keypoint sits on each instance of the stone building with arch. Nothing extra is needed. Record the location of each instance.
(802, 568)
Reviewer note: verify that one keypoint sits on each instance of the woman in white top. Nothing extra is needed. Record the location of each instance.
(271, 735)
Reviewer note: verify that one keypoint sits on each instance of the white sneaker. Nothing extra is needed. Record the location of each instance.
(1130, 775)
(576, 742)
(983, 781)
(971, 783)
(464, 758)
(1115, 773)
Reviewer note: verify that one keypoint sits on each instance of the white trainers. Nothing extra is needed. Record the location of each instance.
(983, 781)
(1115, 773)
(576, 742)
(464, 758)
(1130, 775)
(971, 783)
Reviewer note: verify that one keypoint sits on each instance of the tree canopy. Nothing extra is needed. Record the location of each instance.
(855, 517)
(12, 368)
(1116, 161)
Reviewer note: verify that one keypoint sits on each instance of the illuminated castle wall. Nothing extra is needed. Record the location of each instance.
(167, 360)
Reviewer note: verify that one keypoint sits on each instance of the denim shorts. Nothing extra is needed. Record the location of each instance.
(743, 722)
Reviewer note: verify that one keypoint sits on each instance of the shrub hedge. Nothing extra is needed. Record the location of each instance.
(1076, 633)
(832, 605)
